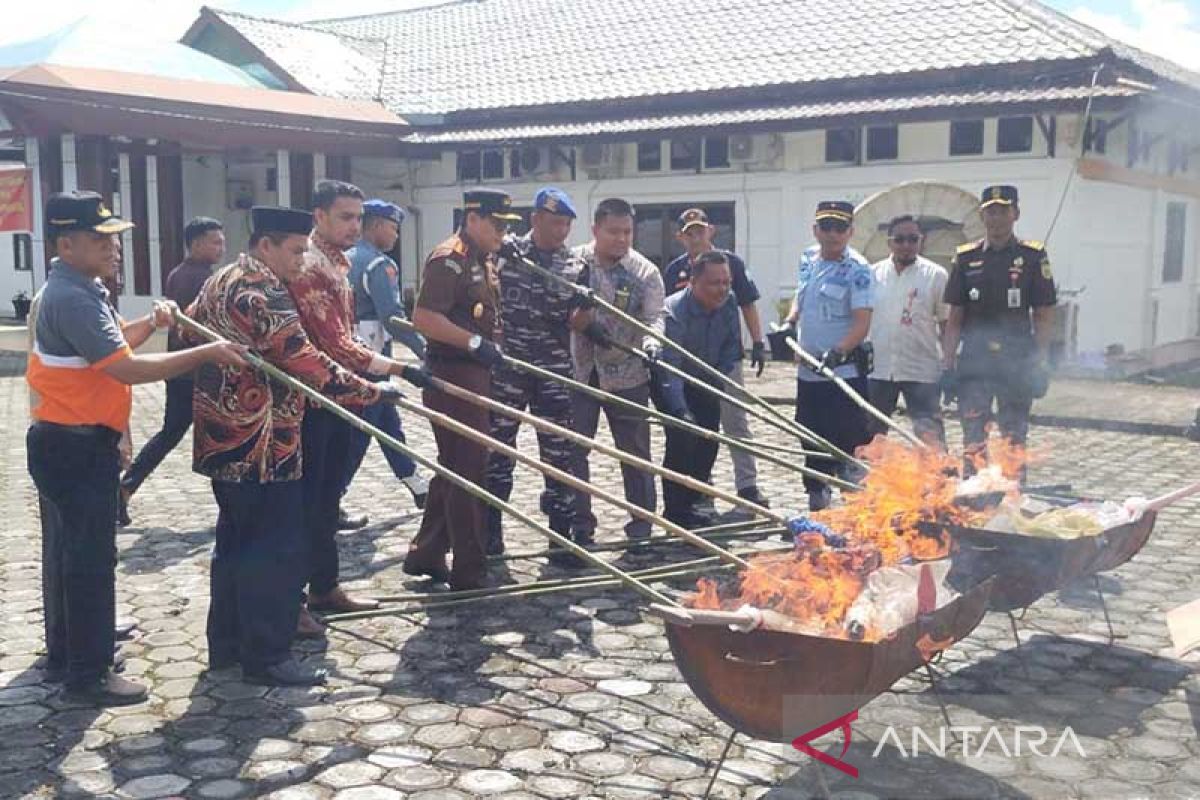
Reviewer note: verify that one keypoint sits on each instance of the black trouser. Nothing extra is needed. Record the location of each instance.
(177, 418)
(325, 442)
(386, 417)
(77, 475)
(1013, 404)
(825, 409)
(923, 402)
(258, 571)
(690, 454)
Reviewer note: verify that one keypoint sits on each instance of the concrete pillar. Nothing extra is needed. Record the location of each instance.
(33, 160)
(283, 177)
(318, 167)
(152, 226)
(124, 208)
(70, 173)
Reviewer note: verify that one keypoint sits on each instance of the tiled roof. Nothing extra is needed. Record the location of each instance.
(480, 55)
(806, 112)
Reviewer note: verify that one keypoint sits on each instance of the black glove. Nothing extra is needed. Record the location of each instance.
(653, 351)
(390, 393)
(508, 251)
(758, 357)
(420, 377)
(581, 299)
(488, 354)
(832, 358)
(949, 386)
(1039, 379)
(596, 333)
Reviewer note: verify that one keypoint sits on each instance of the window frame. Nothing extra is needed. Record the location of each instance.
(1024, 120)
(894, 131)
(982, 134)
(855, 145)
(1174, 261)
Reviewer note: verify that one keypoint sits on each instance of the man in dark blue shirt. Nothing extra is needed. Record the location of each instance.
(703, 319)
(696, 235)
(204, 239)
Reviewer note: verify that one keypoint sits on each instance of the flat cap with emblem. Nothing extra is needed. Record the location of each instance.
(272, 219)
(839, 210)
(554, 201)
(691, 218)
(384, 209)
(81, 211)
(998, 195)
(490, 203)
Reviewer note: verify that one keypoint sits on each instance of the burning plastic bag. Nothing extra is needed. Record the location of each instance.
(892, 598)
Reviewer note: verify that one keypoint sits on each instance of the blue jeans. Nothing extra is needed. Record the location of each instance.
(77, 476)
(385, 417)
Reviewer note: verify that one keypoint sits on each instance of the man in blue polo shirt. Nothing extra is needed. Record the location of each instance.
(696, 235)
(834, 298)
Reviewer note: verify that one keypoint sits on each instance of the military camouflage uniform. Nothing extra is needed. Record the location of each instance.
(534, 312)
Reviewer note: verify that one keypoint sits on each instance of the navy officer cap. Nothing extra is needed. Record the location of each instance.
(81, 211)
(271, 219)
(490, 203)
(554, 201)
(839, 210)
(1004, 195)
(382, 208)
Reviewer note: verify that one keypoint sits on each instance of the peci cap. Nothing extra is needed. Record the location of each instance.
(839, 210)
(271, 219)
(1004, 195)
(382, 208)
(81, 211)
(491, 203)
(554, 201)
(691, 218)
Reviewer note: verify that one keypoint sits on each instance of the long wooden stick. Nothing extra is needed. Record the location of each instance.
(467, 432)
(449, 475)
(1162, 501)
(620, 455)
(848, 390)
(653, 415)
(646, 330)
(652, 542)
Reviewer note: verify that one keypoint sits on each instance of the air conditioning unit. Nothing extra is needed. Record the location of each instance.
(595, 155)
(741, 148)
(533, 160)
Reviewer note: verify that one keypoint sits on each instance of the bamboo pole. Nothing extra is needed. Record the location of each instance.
(613, 452)
(859, 400)
(588, 293)
(449, 475)
(567, 478)
(652, 542)
(653, 415)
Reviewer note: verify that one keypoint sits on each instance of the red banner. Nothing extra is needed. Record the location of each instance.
(16, 200)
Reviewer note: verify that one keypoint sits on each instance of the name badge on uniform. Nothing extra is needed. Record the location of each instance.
(973, 294)
(1014, 297)
(837, 291)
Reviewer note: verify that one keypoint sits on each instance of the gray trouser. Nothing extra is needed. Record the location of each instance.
(735, 424)
(631, 433)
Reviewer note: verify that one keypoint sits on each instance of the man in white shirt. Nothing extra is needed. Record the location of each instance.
(909, 314)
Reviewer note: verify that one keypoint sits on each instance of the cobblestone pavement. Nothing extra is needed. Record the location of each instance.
(576, 695)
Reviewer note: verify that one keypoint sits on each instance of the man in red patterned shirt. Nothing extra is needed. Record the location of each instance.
(247, 440)
(326, 304)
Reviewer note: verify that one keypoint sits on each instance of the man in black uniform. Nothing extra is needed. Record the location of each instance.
(1001, 295)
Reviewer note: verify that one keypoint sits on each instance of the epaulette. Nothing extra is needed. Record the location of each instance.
(968, 246)
(1033, 244)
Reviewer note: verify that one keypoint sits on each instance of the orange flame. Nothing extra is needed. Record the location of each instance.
(882, 526)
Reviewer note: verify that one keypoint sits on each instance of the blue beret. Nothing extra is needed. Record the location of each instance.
(554, 200)
(382, 208)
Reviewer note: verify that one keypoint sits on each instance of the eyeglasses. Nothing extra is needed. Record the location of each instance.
(833, 225)
(906, 239)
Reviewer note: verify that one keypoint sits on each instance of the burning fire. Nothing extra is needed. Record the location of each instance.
(817, 583)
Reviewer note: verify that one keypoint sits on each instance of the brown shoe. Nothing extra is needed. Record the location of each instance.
(339, 602)
(439, 573)
(307, 626)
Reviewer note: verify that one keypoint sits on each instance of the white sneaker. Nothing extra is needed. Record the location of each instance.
(418, 484)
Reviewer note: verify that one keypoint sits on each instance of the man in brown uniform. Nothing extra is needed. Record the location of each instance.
(458, 312)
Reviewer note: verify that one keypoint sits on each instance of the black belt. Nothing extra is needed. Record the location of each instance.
(91, 431)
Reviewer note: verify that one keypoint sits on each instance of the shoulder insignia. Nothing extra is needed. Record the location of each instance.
(391, 271)
(966, 247)
(453, 265)
(863, 279)
(1033, 244)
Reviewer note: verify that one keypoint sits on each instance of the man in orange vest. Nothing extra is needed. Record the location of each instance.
(81, 366)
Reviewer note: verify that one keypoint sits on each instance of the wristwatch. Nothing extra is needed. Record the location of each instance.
(474, 342)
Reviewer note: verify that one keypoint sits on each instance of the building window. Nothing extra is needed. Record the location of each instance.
(469, 166)
(22, 252)
(841, 146)
(966, 137)
(1014, 135)
(883, 143)
(649, 156)
(493, 164)
(1172, 271)
(655, 228)
(685, 155)
(716, 152)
